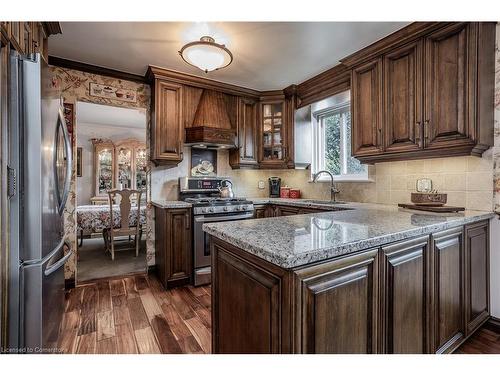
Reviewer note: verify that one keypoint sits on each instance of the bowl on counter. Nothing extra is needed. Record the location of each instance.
(429, 199)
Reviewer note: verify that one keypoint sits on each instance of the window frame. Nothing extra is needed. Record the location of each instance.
(318, 157)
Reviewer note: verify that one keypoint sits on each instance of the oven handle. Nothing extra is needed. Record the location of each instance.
(210, 219)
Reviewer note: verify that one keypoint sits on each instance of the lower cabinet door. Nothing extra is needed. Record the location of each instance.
(337, 306)
(286, 211)
(449, 321)
(405, 296)
(476, 274)
(247, 306)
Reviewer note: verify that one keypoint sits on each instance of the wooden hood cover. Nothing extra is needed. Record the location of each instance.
(211, 125)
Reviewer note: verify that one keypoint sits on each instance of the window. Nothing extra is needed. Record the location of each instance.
(332, 144)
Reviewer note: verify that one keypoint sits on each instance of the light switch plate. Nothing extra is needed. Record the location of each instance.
(262, 184)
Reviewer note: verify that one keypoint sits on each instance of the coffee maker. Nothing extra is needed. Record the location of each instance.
(274, 187)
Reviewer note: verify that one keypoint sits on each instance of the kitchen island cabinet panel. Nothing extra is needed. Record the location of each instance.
(406, 296)
(337, 304)
(248, 314)
(448, 275)
(477, 274)
(423, 291)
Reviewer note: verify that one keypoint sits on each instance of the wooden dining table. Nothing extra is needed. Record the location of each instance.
(95, 218)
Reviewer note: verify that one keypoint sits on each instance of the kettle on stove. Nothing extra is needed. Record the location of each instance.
(226, 191)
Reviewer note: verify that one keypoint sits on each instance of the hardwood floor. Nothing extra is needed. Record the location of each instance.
(136, 315)
(486, 340)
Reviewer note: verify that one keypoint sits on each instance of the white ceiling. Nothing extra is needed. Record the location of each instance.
(118, 117)
(267, 55)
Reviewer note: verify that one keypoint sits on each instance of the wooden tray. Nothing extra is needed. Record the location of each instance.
(431, 208)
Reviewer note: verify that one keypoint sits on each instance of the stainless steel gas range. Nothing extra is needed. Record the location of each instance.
(208, 207)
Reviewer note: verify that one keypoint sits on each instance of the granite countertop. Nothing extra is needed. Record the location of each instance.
(162, 203)
(292, 241)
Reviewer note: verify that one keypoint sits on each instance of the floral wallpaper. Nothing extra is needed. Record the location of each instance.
(496, 148)
(75, 86)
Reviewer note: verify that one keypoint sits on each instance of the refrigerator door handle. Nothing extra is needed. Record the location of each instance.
(54, 267)
(69, 161)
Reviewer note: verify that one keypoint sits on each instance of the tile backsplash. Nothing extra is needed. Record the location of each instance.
(468, 180)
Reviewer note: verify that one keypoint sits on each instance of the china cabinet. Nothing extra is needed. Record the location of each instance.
(118, 165)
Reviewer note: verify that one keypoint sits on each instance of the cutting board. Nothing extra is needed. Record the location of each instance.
(432, 208)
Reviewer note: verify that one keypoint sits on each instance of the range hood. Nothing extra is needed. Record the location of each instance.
(211, 126)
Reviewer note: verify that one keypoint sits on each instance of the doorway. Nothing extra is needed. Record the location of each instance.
(111, 155)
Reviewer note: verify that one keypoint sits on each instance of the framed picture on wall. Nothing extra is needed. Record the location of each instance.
(78, 162)
(203, 162)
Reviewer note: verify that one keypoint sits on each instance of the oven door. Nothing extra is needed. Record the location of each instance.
(202, 259)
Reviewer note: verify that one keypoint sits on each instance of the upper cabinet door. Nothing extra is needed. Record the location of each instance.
(403, 98)
(450, 81)
(167, 132)
(366, 102)
(246, 153)
(273, 134)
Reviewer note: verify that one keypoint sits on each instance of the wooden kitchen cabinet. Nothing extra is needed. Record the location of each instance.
(366, 104)
(437, 93)
(173, 246)
(17, 36)
(337, 305)
(245, 155)
(286, 211)
(246, 314)
(450, 86)
(262, 211)
(403, 98)
(5, 28)
(477, 275)
(275, 130)
(426, 294)
(448, 293)
(405, 297)
(272, 134)
(167, 130)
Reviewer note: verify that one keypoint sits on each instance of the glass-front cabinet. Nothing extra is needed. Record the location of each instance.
(140, 168)
(118, 165)
(103, 167)
(274, 148)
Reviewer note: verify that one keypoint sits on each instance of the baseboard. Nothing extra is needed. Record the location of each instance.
(493, 324)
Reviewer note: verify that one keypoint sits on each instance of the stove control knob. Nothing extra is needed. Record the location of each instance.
(203, 210)
(211, 209)
(237, 208)
(243, 208)
(226, 208)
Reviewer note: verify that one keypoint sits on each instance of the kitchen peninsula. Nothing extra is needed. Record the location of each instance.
(364, 278)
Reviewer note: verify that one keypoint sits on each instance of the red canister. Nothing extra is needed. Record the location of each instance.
(285, 192)
(295, 193)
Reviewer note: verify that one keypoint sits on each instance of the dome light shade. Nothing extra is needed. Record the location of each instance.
(206, 55)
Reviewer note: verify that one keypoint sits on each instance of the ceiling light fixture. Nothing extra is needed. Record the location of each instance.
(206, 55)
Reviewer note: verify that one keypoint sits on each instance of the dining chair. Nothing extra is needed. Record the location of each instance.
(124, 228)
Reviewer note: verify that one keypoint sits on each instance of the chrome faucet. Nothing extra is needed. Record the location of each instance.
(334, 190)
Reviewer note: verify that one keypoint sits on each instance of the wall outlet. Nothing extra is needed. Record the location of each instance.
(262, 184)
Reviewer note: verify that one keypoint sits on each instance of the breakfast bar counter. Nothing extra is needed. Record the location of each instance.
(365, 278)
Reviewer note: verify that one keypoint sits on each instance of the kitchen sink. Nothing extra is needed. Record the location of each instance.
(314, 201)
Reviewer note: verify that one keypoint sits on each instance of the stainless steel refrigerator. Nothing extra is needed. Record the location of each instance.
(39, 182)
